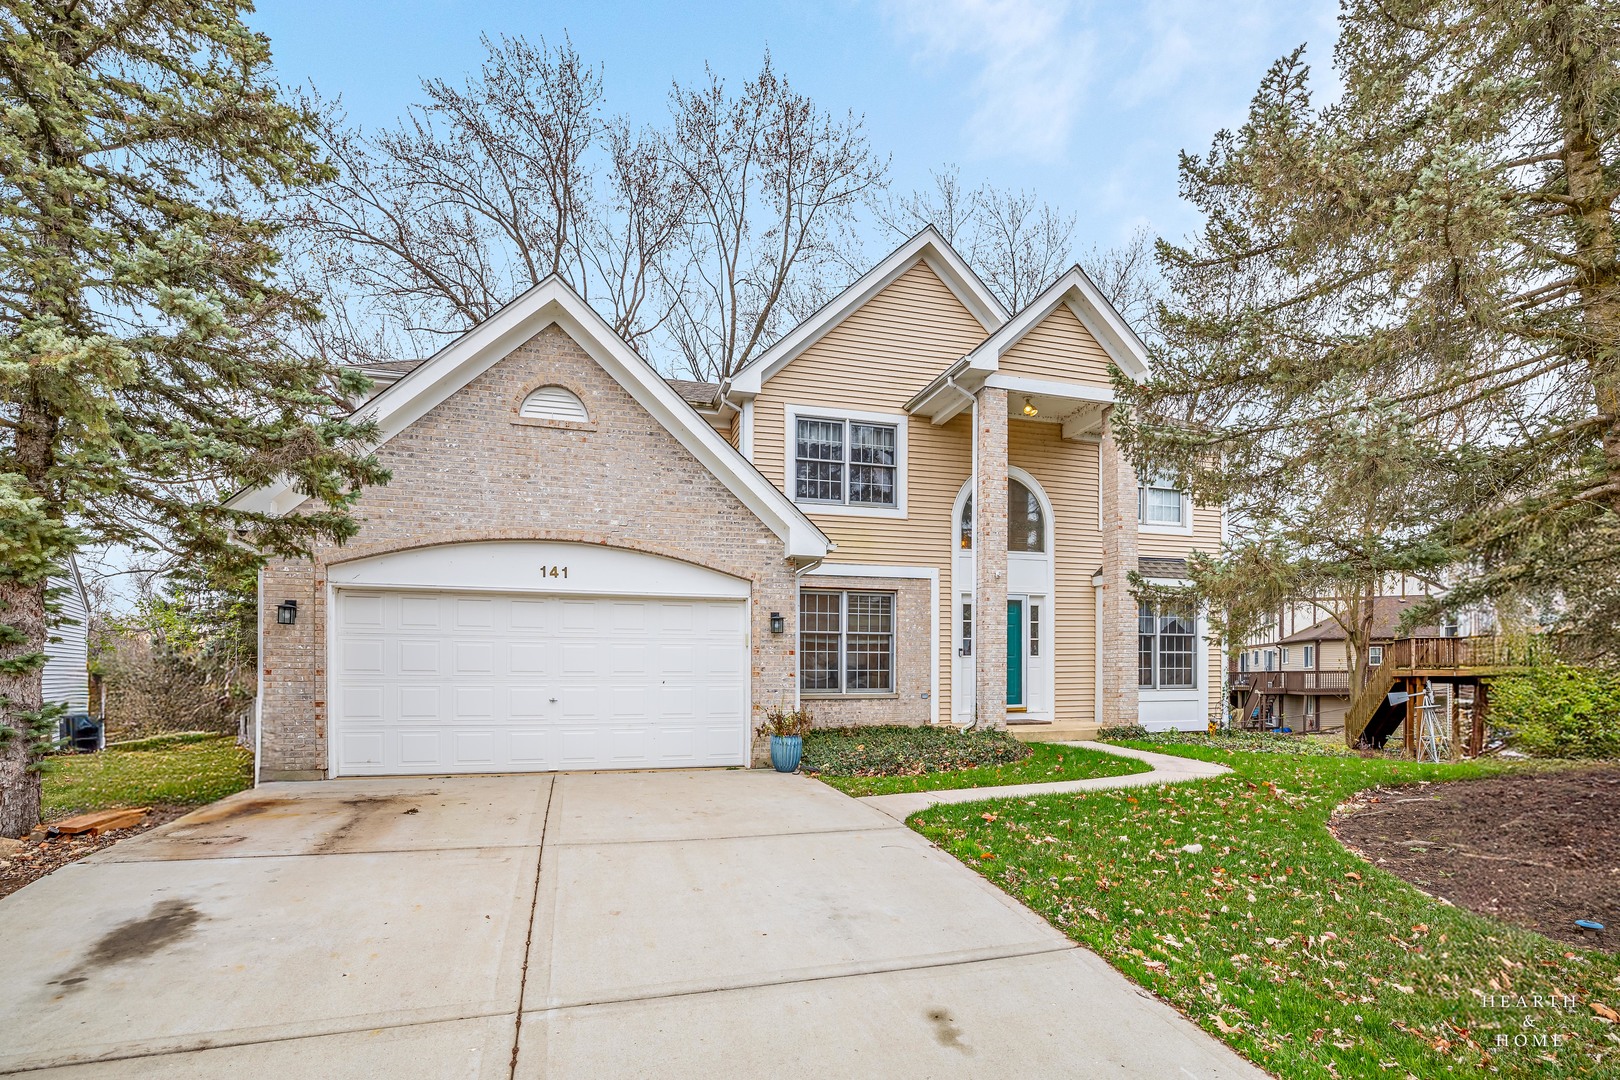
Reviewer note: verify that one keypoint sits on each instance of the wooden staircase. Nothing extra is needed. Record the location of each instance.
(1367, 705)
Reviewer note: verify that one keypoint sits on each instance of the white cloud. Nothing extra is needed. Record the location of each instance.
(1031, 61)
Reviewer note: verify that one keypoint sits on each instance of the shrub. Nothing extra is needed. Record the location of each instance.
(1559, 711)
(1124, 731)
(905, 751)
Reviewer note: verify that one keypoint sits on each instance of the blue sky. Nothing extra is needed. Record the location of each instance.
(1086, 104)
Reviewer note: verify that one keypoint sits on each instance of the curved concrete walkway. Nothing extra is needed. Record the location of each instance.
(1167, 769)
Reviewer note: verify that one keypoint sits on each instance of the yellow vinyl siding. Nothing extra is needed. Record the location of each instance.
(876, 360)
(1067, 471)
(1060, 347)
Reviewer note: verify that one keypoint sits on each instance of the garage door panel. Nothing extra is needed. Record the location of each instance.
(420, 612)
(447, 682)
(360, 750)
(419, 703)
(527, 702)
(362, 610)
(362, 702)
(580, 659)
(418, 657)
(475, 702)
(362, 655)
(475, 658)
(528, 658)
(418, 748)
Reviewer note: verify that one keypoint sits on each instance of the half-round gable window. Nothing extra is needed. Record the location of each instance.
(554, 403)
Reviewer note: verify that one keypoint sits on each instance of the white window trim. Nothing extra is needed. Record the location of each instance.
(790, 429)
(1283, 655)
(929, 574)
(1375, 649)
(843, 692)
(1184, 529)
(1308, 657)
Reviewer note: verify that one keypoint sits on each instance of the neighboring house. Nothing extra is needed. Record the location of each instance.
(67, 651)
(580, 564)
(1301, 679)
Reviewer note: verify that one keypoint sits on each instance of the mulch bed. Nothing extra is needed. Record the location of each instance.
(1539, 850)
(34, 861)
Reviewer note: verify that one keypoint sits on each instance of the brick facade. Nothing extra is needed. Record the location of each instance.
(471, 470)
(913, 670)
(1116, 608)
(990, 559)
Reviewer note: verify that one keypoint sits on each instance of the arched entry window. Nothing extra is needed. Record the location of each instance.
(1026, 523)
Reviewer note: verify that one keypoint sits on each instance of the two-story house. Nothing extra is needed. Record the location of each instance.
(911, 509)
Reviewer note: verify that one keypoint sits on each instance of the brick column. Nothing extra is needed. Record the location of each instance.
(1116, 609)
(990, 559)
(292, 705)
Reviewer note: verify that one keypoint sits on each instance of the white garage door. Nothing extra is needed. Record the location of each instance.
(440, 682)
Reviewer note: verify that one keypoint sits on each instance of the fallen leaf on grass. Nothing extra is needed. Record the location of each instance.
(1605, 1013)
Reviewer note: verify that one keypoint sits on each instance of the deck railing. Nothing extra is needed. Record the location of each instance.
(1292, 682)
(1409, 654)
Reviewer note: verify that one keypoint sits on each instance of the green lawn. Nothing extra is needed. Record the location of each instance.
(183, 770)
(1276, 939)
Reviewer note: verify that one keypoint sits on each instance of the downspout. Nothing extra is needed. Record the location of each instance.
(978, 512)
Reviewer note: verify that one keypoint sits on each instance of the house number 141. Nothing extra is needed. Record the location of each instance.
(554, 571)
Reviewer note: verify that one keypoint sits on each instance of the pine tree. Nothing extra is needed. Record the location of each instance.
(142, 377)
(1395, 344)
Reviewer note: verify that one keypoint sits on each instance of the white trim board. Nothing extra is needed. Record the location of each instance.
(929, 574)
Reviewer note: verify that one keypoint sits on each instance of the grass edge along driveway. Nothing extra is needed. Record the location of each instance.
(1230, 899)
(180, 770)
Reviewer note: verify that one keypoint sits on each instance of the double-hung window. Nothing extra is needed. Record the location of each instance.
(1167, 648)
(1158, 502)
(1310, 656)
(846, 462)
(846, 642)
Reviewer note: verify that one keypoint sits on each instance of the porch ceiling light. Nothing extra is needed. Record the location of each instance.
(1029, 408)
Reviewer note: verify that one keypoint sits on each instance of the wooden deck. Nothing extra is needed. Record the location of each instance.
(1407, 664)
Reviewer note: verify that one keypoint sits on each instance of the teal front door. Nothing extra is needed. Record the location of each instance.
(1015, 654)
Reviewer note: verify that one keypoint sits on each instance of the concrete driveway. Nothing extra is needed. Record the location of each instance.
(657, 924)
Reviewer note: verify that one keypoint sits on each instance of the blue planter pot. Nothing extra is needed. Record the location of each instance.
(786, 751)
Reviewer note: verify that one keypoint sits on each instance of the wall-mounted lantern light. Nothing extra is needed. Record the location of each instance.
(778, 624)
(287, 612)
(1029, 408)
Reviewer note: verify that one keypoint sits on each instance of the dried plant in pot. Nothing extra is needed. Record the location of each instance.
(786, 728)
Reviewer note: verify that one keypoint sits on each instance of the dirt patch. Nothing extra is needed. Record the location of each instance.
(34, 861)
(1539, 850)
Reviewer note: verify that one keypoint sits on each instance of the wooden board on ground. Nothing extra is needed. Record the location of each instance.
(101, 821)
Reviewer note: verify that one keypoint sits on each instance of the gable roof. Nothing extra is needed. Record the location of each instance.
(1387, 612)
(1077, 291)
(927, 246)
(947, 394)
(553, 302)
